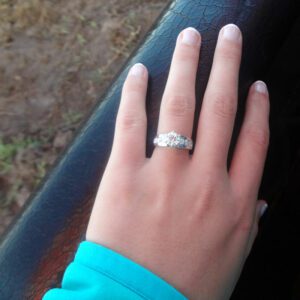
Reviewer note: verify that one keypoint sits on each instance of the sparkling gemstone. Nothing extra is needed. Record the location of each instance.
(173, 139)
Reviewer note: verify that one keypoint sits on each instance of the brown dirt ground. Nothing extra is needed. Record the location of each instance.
(56, 58)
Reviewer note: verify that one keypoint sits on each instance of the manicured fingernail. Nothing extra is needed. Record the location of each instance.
(191, 37)
(263, 209)
(261, 87)
(137, 70)
(231, 32)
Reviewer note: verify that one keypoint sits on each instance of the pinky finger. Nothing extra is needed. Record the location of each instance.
(130, 132)
(250, 153)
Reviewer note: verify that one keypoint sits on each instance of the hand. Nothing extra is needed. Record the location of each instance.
(186, 217)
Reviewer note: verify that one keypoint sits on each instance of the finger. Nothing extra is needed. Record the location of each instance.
(178, 102)
(220, 100)
(250, 153)
(130, 131)
(261, 207)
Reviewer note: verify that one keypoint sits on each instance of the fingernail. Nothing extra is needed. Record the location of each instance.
(191, 37)
(137, 70)
(263, 209)
(231, 32)
(261, 87)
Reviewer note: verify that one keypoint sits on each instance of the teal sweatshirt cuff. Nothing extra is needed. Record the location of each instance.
(98, 272)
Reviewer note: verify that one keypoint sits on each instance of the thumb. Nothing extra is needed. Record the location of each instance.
(261, 207)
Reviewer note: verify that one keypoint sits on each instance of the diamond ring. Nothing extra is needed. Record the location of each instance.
(173, 140)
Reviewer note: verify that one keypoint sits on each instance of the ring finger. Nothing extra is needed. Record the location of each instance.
(178, 101)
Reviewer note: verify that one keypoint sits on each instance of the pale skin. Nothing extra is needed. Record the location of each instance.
(188, 218)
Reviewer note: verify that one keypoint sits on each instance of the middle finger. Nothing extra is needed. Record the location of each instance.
(178, 102)
(220, 100)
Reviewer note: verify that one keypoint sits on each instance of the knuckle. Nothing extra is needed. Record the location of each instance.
(164, 196)
(133, 86)
(179, 105)
(230, 51)
(224, 106)
(130, 120)
(187, 53)
(207, 186)
(206, 196)
(241, 219)
(258, 136)
(245, 225)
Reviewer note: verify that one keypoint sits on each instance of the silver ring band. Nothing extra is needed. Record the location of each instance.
(173, 140)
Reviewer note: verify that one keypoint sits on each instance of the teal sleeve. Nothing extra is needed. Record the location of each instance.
(98, 272)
